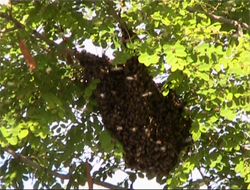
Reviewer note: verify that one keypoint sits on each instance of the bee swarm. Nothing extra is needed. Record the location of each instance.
(150, 127)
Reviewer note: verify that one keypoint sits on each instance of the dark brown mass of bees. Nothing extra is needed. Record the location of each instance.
(150, 126)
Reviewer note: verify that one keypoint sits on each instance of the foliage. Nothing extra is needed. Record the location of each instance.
(48, 115)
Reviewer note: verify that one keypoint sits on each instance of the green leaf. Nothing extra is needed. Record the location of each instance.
(150, 176)
(203, 76)
(215, 159)
(217, 67)
(202, 47)
(195, 126)
(132, 177)
(51, 99)
(166, 21)
(165, 92)
(234, 187)
(13, 140)
(5, 132)
(57, 186)
(105, 140)
(229, 51)
(203, 128)
(180, 50)
(195, 131)
(204, 67)
(23, 133)
(118, 155)
(247, 178)
(171, 59)
(213, 119)
(196, 136)
(168, 49)
(94, 83)
(148, 59)
(229, 114)
(157, 16)
(183, 177)
(239, 168)
(88, 92)
(34, 127)
(229, 97)
(174, 67)
(141, 175)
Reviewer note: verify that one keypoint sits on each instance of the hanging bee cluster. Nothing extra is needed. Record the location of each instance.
(150, 126)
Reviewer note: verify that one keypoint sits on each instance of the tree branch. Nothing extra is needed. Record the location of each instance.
(117, 18)
(127, 33)
(221, 19)
(37, 34)
(35, 165)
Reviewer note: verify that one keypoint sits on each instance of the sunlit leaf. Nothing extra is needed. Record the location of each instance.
(13, 140)
(23, 133)
(229, 114)
(239, 168)
(148, 59)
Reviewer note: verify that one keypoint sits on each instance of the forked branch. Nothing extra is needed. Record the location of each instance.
(35, 165)
(19, 25)
(221, 19)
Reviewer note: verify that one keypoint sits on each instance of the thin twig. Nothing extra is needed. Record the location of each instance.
(89, 178)
(220, 18)
(203, 177)
(35, 165)
(6, 30)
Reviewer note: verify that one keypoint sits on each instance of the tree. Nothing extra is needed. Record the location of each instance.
(51, 118)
